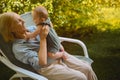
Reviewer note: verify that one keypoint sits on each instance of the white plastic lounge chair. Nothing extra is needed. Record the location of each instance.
(22, 70)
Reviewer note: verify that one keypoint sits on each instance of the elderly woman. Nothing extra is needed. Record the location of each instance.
(34, 51)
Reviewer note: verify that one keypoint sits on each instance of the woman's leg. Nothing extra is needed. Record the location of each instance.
(59, 71)
(81, 66)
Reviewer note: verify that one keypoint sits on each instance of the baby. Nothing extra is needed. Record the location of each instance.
(40, 17)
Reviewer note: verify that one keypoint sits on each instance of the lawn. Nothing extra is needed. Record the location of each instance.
(103, 48)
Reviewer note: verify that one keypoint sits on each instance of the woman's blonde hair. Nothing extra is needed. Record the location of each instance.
(6, 25)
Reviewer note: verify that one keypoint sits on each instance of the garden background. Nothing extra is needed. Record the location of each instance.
(95, 22)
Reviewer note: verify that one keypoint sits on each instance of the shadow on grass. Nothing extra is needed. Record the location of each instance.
(107, 68)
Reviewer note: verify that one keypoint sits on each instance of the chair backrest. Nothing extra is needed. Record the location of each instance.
(7, 50)
(27, 17)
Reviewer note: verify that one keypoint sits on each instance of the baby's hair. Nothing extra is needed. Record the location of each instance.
(41, 11)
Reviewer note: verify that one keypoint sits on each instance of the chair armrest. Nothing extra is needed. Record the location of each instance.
(80, 43)
(21, 70)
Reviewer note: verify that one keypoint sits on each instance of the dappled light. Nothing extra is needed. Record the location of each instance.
(95, 22)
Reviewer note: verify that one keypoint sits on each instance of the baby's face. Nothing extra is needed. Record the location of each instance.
(36, 18)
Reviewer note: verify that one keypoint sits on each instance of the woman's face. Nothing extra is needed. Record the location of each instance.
(19, 24)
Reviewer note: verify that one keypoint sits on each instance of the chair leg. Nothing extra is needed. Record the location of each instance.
(17, 75)
(21, 78)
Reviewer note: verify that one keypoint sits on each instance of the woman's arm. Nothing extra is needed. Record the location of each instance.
(33, 34)
(42, 54)
(56, 55)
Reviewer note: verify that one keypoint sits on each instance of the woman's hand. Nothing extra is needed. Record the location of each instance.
(65, 56)
(44, 32)
(56, 55)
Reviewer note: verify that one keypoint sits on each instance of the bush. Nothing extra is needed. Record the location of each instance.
(73, 18)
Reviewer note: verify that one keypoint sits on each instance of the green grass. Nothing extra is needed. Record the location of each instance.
(103, 48)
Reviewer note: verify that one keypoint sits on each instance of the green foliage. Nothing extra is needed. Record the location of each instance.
(22, 6)
(77, 17)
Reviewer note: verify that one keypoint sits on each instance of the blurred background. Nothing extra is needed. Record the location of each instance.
(95, 22)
